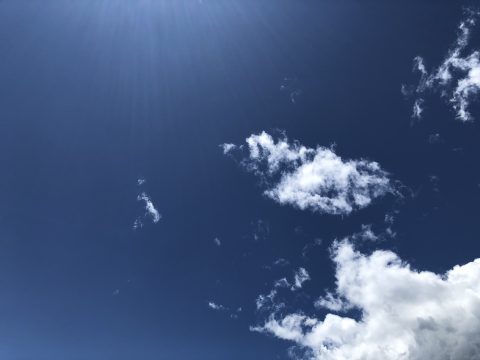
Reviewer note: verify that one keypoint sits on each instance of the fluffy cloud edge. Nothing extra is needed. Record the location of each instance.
(405, 313)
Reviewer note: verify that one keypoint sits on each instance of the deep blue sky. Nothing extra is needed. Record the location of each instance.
(97, 94)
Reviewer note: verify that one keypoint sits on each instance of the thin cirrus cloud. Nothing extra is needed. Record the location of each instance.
(405, 314)
(316, 179)
(457, 78)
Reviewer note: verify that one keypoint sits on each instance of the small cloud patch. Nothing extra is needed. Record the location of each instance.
(150, 210)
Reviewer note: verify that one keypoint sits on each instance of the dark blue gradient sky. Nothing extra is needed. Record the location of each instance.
(97, 94)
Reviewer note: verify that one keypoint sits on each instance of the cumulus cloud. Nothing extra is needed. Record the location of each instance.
(315, 179)
(403, 313)
(457, 78)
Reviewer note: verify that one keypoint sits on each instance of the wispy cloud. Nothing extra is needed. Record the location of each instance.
(233, 314)
(404, 313)
(150, 210)
(290, 85)
(261, 230)
(366, 234)
(417, 109)
(308, 247)
(315, 179)
(457, 78)
(149, 207)
(434, 139)
(300, 277)
(281, 262)
(227, 148)
(269, 301)
(214, 306)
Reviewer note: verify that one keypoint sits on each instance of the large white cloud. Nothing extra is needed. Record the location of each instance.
(315, 179)
(458, 76)
(405, 314)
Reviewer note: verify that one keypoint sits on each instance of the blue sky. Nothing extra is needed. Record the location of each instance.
(239, 179)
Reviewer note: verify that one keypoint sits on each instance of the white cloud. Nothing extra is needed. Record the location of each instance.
(366, 234)
(227, 148)
(138, 223)
(215, 306)
(404, 313)
(281, 262)
(417, 109)
(269, 301)
(264, 302)
(232, 313)
(150, 209)
(315, 179)
(282, 283)
(389, 218)
(300, 277)
(217, 241)
(418, 65)
(457, 78)
(331, 302)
